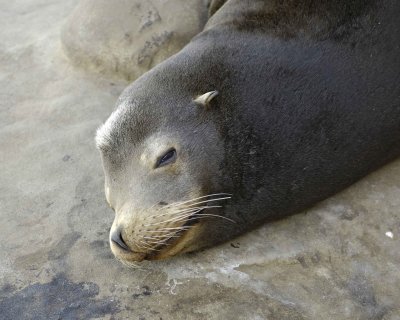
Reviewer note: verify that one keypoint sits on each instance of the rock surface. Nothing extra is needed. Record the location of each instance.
(128, 37)
(338, 260)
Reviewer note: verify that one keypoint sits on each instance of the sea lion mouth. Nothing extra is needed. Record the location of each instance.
(169, 245)
(182, 241)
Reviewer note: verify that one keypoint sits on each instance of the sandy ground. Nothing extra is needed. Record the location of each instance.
(339, 260)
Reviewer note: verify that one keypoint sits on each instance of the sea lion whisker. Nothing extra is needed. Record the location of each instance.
(187, 206)
(160, 242)
(165, 237)
(162, 237)
(169, 235)
(174, 213)
(167, 229)
(205, 215)
(177, 214)
(188, 212)
(174, 219)
(209, 195)
(142, 244)
(206, 201)
(192, 210)
(176, 228)
(148, 246)
(156, 240)
(205, 207)
(183, 215)
(143, 247)
(156, 243)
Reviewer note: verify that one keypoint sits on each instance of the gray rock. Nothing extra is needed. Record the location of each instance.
(128, 37)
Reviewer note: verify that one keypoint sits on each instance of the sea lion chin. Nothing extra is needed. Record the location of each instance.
(251, 121)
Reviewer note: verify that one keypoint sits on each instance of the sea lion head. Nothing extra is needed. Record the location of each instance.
(161, 156)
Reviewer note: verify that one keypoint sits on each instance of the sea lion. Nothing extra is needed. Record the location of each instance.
(273, 107)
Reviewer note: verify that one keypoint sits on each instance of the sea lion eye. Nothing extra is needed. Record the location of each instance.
(167, 158)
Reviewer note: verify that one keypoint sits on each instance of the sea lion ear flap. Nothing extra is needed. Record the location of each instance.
(205, 99)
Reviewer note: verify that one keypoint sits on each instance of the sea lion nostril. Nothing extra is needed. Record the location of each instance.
(116, 237)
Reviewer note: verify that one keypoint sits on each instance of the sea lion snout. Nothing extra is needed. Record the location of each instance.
(121, 249)
(164, 230)
(116, 239)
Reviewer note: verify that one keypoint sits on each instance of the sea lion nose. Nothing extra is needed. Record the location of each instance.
(116, 237)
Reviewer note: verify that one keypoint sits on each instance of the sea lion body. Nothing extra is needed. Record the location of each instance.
(304, 109)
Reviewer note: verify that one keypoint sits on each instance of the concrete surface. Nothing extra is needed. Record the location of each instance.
(339, 260)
